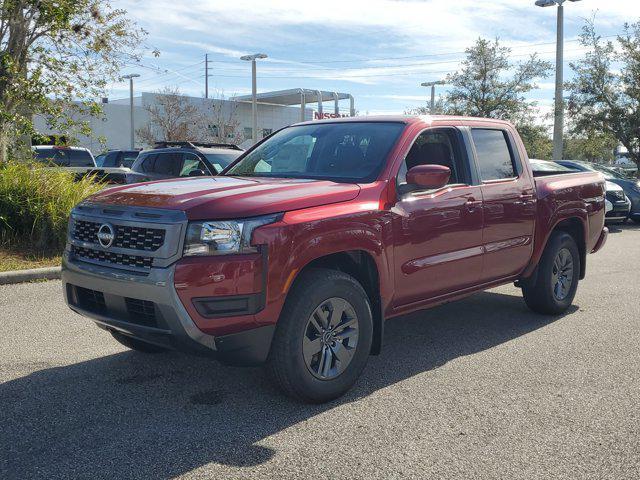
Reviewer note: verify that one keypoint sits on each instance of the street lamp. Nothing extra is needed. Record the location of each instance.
(254, 101)
(558, 116)
(130, 77)
(433, 93)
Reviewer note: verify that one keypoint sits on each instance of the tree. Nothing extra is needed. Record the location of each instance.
(171, 118)
(591, 147)
(56, 57)
(489, 85)
(175, 117)
(536, 140)
(605, 92)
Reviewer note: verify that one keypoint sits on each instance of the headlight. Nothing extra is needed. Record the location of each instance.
(220, 237)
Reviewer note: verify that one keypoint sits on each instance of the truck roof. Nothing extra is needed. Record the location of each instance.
(408, 119)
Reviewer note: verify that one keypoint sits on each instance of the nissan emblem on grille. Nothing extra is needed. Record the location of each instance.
(106, 235)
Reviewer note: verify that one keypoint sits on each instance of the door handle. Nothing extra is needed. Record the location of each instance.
(526, 199)
(472, 204)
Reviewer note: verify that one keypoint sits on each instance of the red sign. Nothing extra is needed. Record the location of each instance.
(319, 116)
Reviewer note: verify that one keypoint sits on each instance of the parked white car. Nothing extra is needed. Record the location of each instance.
(77, 160)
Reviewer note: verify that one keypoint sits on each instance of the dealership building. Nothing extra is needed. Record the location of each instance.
(275, 110)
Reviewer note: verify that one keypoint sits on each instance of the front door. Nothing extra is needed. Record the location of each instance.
(438, 234)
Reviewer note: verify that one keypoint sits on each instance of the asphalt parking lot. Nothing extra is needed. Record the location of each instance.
(481, 388)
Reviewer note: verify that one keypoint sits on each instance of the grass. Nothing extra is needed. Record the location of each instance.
(35, 203)
(16, 259)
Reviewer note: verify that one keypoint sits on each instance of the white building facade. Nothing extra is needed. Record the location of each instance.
(275, 111)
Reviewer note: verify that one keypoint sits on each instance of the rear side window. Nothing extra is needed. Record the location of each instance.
(495, 161)
(168, 164)
(128, 158)
(53, 156)
(80, 158)
(144, 164)
(110, 159)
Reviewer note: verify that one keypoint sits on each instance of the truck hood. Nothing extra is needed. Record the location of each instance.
(229, 197)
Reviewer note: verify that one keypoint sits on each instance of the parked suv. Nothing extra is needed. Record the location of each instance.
(299, 251)
(117, 158)
(182, 159)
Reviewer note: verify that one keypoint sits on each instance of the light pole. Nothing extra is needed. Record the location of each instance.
(130, 77)
(558, 113)
(254, 101)
(433, 93)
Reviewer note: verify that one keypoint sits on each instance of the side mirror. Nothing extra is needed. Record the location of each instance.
(429, 176)
(197, 173)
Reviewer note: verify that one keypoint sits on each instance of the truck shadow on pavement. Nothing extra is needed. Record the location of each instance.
(132, 415)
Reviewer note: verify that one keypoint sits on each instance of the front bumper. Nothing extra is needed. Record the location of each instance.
(148, 307)
(620, 211)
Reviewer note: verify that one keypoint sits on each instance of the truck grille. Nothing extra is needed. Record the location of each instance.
(112, 258)
(134, 238)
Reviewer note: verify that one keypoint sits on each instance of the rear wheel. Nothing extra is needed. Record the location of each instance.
(138, 345)
(557, 277)
(323, 338)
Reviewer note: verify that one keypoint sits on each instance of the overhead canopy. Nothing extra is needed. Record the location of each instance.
(301, 96)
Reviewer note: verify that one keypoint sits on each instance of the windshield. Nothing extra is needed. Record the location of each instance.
(341, 152)
(220, 161)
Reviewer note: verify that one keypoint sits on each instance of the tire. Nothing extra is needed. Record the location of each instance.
(549, 294)
(635, 219)
(137, 345)
(341, 352)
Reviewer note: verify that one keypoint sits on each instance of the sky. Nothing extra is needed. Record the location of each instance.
(377, 50)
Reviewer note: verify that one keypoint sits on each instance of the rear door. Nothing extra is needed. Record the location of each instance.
(509, 203)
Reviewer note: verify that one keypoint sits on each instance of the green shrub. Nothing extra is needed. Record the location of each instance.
(35, 203)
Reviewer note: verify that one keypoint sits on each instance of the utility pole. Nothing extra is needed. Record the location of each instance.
(130, 77)
(206, 75)
(254, 90)
(558, 114)
(432, 108)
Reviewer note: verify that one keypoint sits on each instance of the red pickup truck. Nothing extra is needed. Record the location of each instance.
(301, 250)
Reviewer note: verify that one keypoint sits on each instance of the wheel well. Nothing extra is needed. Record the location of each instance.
(361, 266)
(574, 227)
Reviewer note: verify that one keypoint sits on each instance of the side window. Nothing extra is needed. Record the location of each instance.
(128, 158)
(168, 164)
(192, 163)
(147, 164)
(434, 147)
(80, 158)
(110, 159)
(495, 160)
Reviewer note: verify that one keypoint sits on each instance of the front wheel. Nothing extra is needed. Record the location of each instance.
(323, 338)
(557, 277)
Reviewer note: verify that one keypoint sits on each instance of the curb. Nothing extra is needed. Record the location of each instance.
(20, 276)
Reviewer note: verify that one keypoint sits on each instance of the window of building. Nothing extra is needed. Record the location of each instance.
(248, 132)
(495, 160)
(266, 132)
